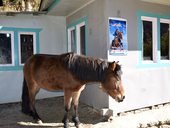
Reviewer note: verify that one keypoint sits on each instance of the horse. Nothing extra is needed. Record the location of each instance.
(69, 72)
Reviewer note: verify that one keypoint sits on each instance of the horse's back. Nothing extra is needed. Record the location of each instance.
(43, 63)
(49, 71)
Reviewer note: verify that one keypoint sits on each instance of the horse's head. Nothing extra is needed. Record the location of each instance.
(113, 83)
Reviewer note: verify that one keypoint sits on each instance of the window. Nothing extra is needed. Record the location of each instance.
(149, 39)
(164, 39)
(81, 42)
(72, 39)
(6, 48)
(153, 39)
(27, 46)
(77, 36)
(16, 45)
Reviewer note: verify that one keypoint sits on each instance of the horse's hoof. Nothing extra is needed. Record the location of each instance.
(65, 122)
(78, 126)
(66, 125)
(76, 121)
(39, 122)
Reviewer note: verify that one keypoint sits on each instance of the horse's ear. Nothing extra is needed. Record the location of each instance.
(113, 64)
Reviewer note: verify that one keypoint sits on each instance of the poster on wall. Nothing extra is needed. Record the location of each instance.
(117, 36)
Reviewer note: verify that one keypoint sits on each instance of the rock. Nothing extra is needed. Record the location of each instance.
(142, 125)
(165, 126)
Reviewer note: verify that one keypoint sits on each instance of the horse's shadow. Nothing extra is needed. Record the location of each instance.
(52, 112)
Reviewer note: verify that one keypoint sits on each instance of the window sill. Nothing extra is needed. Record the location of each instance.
(10, 68)
(154, 65)
(165, 61)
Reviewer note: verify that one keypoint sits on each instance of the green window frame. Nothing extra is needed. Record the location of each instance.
(157, 62)
(16, 50)
(74, 26)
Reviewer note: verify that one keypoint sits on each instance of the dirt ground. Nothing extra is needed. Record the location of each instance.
(52, 110)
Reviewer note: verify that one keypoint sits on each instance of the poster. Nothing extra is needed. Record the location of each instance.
(117, 36)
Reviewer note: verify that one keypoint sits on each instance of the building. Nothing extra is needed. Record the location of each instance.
(84, 27)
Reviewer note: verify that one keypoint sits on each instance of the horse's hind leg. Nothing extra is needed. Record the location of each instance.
(33, 90)
(75, 118)
(76, 97)
(67, 102)
(30, 89)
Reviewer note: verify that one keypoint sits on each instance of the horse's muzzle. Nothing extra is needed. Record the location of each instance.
(121, 99)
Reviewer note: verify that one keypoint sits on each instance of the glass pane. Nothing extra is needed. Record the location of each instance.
(82, 40)
(147, 40)
(164, 27)
(5, 48)
(73, 38)
(26, 46)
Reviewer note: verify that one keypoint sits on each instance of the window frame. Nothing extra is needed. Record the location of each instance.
(159, 62)
(167, 21)
(77, 25)
(154, 40)
(69, 30)
(19, 44)
(15, 31)
(12, 48)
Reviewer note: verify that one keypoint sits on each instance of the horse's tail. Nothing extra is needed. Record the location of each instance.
(25, 98)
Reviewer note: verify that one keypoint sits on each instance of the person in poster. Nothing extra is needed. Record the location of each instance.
(117, 36)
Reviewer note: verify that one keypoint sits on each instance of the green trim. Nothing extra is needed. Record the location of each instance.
(140, 40)
(74, 24)
(53, 5)
(154, 65)
(16, 47)
(11, 68)
(67, 39)
(149, 14)
(140, 56)
(38, 42)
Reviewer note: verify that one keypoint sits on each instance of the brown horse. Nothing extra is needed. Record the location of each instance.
(68, 72)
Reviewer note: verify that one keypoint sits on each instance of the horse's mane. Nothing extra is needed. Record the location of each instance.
(85, 68)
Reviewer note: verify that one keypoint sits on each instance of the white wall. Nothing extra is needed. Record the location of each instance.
(52, 41)
(143, 86)
(97, 45)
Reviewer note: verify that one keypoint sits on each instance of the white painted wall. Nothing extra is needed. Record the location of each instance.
(52, 41)
(143, 86)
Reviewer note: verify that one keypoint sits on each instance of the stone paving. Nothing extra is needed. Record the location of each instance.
(159, 117)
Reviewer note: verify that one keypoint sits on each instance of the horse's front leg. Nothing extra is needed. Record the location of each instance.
(76, 97)
(67, 102)
(75, 118)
